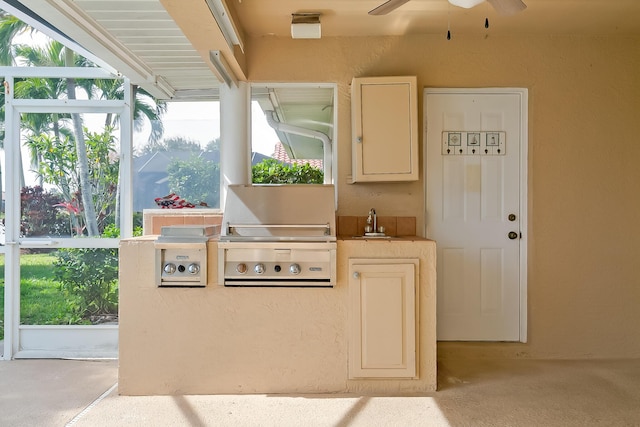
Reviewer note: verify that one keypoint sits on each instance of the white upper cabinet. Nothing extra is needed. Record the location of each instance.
(384, 116)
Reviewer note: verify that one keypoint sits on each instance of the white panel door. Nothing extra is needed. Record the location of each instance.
(475, 209)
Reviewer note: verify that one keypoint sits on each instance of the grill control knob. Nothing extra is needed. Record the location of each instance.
(241, 268)
(294, 269)
(169, 268)
(259, 268)
(193, 269)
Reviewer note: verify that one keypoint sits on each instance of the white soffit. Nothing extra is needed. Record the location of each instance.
(137, 38)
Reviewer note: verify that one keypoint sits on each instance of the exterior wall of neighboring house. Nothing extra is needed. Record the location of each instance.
(584, 105)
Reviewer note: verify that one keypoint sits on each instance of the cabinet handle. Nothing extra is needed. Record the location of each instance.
(356, 275)
(359, 139)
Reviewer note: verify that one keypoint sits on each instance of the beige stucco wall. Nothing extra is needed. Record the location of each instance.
(584, 124)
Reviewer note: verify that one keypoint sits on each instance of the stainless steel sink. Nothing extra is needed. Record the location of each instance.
(375, 235)
(378, 236)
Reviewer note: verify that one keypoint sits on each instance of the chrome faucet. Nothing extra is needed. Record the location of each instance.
(372, 220)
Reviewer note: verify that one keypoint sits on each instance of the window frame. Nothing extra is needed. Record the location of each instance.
(332, 167)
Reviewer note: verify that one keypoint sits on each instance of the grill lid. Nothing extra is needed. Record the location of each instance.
(186, 233)
(300, 212)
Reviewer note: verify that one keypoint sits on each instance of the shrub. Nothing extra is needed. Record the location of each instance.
(271, 171)
(39, 217)
(92, 276)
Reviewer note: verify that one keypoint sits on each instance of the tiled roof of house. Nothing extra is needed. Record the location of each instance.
(281, 155)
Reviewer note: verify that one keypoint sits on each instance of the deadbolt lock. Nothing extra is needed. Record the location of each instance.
(512, 217)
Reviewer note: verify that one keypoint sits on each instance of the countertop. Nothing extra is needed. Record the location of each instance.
(385, 239)
(214, 238)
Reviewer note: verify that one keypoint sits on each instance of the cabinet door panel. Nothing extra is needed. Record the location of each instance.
(386, 129)
(383, 320)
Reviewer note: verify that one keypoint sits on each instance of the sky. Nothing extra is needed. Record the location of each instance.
(200, 122)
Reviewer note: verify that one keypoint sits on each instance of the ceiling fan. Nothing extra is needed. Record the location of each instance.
(503, 7)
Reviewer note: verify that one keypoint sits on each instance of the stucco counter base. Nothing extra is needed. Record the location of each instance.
(217, 340)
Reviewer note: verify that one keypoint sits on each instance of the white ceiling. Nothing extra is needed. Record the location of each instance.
(350, 18)
(149, 32)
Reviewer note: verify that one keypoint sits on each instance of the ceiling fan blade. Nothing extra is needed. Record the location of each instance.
(508, 7)
(467, 4)
(387, 7)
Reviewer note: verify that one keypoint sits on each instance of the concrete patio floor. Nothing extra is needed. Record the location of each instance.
(471, 393)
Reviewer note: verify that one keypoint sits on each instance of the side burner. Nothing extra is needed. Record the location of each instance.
(181, 255)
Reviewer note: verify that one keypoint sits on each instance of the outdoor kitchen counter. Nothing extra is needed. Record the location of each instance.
(221, 340)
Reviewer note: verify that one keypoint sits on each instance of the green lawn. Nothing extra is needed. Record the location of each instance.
(42, 302)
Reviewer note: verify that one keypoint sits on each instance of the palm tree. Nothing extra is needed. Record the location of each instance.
(10, 27)
(152, 111)
(146, 107)
(57, 55)
(41, 88)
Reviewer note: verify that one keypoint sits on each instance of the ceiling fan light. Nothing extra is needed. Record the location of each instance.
(467, 4)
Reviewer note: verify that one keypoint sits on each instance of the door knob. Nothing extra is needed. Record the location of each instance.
(513, 235)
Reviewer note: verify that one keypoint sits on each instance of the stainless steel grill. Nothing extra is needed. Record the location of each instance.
(278, 235)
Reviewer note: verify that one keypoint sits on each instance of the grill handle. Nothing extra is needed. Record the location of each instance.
(326, 227)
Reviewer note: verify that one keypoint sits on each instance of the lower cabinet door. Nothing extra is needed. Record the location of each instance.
(383, 327)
